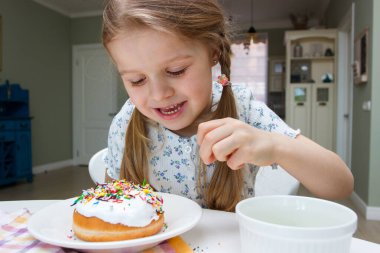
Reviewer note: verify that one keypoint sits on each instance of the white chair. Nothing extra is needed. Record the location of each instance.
(275, 182)
(97, 168)
(268, 181)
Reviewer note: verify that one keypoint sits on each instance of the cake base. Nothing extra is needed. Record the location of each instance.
(93, 229)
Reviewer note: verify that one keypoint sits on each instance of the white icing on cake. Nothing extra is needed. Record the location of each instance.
(121, 202)
(131, 212)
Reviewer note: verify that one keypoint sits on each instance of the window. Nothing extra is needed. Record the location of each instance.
(249, 67)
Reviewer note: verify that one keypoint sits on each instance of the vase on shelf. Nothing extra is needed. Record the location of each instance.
(297, 50)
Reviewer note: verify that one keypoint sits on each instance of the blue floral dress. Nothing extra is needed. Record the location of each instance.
(174, 160)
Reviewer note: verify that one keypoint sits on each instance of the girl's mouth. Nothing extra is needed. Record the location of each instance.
(171, 111)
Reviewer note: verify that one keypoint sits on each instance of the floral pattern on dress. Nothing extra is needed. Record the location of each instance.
(174, 160)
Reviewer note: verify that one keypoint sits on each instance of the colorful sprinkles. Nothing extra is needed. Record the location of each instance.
(119, 191)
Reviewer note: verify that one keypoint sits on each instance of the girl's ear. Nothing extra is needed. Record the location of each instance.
(215, 57)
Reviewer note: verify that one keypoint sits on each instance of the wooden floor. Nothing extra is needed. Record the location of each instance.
(69, 182)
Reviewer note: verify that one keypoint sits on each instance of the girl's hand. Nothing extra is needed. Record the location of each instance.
(236, 142)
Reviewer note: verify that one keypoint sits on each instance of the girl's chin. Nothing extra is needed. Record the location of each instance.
(188, 130)
(179, 129)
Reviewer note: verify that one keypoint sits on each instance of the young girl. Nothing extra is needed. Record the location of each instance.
(188, 135)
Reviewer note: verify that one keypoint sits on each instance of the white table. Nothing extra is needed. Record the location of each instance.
(217, 231)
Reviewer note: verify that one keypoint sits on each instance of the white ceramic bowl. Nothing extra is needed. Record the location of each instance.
(294, 224)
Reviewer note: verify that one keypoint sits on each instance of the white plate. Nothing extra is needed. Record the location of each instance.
(53, 224)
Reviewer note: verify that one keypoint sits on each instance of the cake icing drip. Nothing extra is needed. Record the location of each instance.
(120, 202)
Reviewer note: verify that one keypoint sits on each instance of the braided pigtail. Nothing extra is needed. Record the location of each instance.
(224, 190)
(134, 164)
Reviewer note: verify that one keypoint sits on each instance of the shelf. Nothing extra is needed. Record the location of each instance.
(315, 83)
(322, 58)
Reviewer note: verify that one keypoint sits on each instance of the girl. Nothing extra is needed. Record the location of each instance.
(185, 134)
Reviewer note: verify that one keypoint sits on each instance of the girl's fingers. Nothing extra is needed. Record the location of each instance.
(223, 149)
(236, 160)
(206, 127)
(210, 139)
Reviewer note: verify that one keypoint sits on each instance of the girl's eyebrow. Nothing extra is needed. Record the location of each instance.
(126, 71)
(178, 57)
(175, 58)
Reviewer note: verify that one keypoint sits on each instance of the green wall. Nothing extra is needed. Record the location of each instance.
(37, 54)
(86, 30)
(336, 11)
(362, 119)
(37, 51)
(366, 124)
(374, 173)
(276, 45)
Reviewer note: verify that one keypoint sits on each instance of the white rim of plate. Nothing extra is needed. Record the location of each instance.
(196, 211)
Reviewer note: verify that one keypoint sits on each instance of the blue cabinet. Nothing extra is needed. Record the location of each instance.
(15, 134)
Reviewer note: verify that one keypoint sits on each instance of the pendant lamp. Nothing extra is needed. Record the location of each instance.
(251, 31)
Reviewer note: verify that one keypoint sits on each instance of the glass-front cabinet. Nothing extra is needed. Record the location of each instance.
(311, 83)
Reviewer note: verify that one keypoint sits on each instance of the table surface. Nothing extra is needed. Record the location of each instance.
(217, 231)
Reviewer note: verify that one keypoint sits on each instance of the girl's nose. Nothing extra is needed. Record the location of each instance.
(160, 89)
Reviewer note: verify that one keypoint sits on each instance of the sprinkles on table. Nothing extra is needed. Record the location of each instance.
(118, 191)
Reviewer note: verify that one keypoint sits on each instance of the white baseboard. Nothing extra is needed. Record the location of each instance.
(373, 213)
(369, 212)
(359, 203)
(52, 166)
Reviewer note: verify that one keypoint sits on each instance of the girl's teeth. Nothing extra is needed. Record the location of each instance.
(170, 112)
(171, 109)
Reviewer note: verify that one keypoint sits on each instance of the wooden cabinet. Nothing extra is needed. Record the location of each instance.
(311, 83)
(15, 134)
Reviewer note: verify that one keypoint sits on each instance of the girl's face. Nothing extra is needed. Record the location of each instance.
(167, 78)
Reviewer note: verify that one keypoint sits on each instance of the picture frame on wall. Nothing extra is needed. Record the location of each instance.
(360, 66)
(276, 74)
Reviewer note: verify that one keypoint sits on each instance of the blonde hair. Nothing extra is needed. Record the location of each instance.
(200, 20)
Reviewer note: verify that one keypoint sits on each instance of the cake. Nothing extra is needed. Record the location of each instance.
(116, 211)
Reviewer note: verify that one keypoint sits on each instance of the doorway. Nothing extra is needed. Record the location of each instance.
(95, 82)
(345, 87)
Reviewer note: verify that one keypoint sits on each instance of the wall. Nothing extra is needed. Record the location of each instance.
(36, 54)
(374, 164)
(361, 133)
(88, 31)
(336, 11)
(276, 45)
(365, 133)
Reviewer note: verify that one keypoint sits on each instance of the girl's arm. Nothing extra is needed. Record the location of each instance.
(321, 171)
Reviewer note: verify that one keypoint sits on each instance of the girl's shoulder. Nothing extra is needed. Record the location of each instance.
(243, 93)
(244, 99)
(121, 119)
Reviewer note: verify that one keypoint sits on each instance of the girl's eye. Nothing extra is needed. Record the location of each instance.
(138, 82)
(176, 73)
